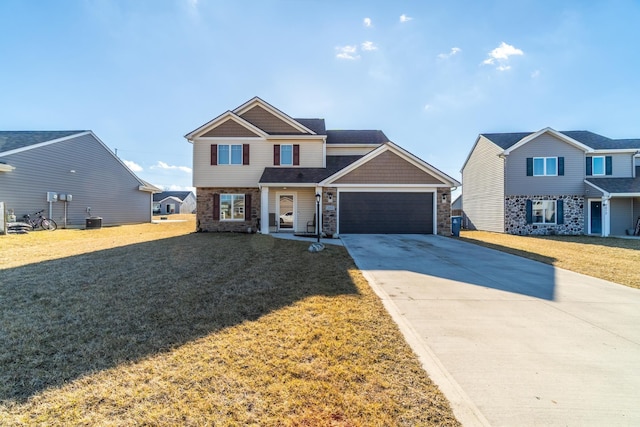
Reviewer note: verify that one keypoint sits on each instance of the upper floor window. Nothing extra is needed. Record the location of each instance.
(599, 165)
(286, 155)
(545, 166)
(229, 154)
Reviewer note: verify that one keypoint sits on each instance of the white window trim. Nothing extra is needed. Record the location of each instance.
(230, 156)
(554, 203)
(544, 163)
(233, 195)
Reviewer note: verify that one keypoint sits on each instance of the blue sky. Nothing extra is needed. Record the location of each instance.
(431, 74)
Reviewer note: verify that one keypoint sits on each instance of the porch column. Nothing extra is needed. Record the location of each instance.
(319, 217)
(264, 210)
(606, 217)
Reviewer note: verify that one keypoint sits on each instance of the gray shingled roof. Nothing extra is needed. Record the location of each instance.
(356, 137)
(157, 197)
(617, 185)
(12, 140)
(298, 175)
(590, 139)
(316, 125)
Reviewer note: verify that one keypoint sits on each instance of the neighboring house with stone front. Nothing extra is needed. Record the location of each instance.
(551, 182)
(257, 169)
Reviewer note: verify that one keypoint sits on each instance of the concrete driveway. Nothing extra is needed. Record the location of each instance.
(511, 342)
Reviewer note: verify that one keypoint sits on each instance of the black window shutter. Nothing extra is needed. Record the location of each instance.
(529, 212)
(214, 154)
(247, 207)
(245, 154)
(589, 166)
(608, 165)
(529, 166)
(561, 166)
(216, 207)
(560, 212)
(276, 155)
(296, 154)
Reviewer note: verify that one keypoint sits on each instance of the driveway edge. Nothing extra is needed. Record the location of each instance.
(463, 407)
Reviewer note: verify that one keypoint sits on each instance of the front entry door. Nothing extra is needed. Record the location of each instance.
(596, 217)
(286, 214)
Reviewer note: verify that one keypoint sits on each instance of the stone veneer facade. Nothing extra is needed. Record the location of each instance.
(329, 211)
(443, 211)
(515, 221)
(204, 216)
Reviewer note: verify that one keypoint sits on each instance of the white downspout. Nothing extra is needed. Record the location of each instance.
(606, 215)
(264, 210)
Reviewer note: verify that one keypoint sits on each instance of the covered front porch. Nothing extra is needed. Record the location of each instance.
(612, 207)
(294, 209)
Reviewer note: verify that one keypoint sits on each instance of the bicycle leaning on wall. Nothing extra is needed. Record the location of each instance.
(41, 221)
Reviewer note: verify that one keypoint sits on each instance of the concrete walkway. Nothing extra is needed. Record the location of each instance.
(510, 341)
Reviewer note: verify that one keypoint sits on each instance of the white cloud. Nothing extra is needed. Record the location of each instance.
(369, 46)
(133, 165)
(501, 55)
(164, 166)
(535, 74)
(405, 18)
(454, 51)
(347, 52)
(367, 22)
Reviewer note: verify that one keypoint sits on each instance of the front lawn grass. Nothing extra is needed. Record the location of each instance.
(613, 259)
(154, 325)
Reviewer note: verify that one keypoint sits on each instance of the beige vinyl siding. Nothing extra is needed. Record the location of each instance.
(306, 208)
(305, 205)
(337, 150)
(518, 183)
(260, 155)
(311, 151)
(483, 187)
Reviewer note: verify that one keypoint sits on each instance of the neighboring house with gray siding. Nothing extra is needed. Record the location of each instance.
(256, 168)
(174, 202)
(85, 176)
(550, 182)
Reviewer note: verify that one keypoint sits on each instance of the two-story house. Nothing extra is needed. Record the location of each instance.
(257, 169)
(551, 182)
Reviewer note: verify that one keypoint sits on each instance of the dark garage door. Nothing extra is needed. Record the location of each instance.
(386, 213)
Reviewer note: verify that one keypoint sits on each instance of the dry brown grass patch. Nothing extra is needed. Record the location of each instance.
(155, 325)
(609, 258)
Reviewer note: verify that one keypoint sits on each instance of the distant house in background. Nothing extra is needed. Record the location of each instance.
(456, 206)
(174, 202)
(550, 182)
(72, 175)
